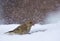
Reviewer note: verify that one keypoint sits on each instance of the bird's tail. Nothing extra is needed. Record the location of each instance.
(9, 32)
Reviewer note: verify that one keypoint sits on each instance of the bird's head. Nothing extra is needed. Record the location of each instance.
(29, 22)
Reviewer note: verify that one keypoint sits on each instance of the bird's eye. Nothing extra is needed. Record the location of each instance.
(30, 22)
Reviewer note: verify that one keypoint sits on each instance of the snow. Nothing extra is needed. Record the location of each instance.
(51, 33)
(53, 17)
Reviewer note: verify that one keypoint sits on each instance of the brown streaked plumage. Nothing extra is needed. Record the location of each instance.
(23, 29)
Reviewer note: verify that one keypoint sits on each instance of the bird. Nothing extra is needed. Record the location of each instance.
(22, 29)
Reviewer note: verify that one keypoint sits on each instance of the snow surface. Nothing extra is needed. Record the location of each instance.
(52, 32)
